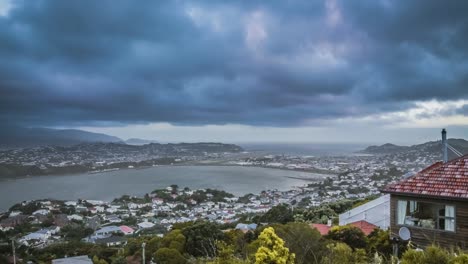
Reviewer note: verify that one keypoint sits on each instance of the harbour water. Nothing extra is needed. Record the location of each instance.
(112, 184)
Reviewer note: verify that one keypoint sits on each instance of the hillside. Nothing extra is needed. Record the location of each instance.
(101, 156)
(20, 137)
(139, 141)
(432, 148)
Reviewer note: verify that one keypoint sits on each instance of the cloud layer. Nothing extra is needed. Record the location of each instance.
(279, 64)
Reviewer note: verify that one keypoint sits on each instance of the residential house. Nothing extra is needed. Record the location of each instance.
(107, 230)
(145, 224)
(323, 229)
(39, 236)
(13, 221)
(111, 241)
(376, 212)
(126, 230)
(246, 227)
(432, 205)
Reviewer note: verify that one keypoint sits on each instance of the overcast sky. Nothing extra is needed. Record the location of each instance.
(238, 71)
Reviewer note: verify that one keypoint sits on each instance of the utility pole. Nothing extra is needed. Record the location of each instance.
(13, 247)
(143, 252)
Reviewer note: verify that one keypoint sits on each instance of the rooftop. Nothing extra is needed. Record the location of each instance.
(365, 226)
(322, 228)
(444, 180)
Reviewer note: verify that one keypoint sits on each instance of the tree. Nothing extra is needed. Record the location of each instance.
(119, 260)
(281, 214)
(75, 232)
(226, 255)
(343, 254)
(303, 241)
(432, 255)
(97, 260)
(348, 234)
(174, 240)
(239, 240)
(272, 249)
(379, 242)
(169, 256)
(175, 188)
(201, 239)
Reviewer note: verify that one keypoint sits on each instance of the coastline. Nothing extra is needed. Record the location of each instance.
(188, 164)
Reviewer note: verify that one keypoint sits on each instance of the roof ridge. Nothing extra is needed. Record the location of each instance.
(439, 179)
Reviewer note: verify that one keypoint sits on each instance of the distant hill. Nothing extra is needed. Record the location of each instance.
(139, 141)
(432, 147)
(385, 149)
(20, 137)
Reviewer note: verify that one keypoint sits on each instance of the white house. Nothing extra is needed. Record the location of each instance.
(376, 212)
(41, 212)
(145, 224)
(40, 236)
(75, 217)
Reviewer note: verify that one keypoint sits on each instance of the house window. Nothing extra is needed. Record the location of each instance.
(426, 215)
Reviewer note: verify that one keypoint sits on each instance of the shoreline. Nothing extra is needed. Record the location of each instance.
(298, 180)
(324, 173)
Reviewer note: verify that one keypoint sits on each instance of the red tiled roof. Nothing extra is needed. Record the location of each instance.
(365, 226)
(322, 228)
(449, 180)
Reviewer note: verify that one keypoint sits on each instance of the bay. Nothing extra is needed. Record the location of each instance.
(109, 185)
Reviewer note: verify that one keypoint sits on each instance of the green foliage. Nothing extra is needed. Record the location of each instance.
(319, 214)
(75, 232)
(379, 242)
(201, 239)
(343, 254)
(226, 255)
(460, 259)
(174, 240)
(412, 256)
(245, 199)
(73, 248)
(97, 260)
(134, 246)
(239, 240)
(302, 240)
(348, 234)
(169, 256)
(26, 209)
(119, 260)
(219, 195)
(281, 214)
(272, 249)
(432, 255)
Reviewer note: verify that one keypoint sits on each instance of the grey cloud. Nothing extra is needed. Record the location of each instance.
(95, 62)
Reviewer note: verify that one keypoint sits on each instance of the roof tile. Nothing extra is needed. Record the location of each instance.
(445, 180)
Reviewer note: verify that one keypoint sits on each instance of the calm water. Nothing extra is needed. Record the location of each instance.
(304, 149)
(109, 185)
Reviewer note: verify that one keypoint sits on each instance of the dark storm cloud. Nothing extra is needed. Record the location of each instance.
(191, 62)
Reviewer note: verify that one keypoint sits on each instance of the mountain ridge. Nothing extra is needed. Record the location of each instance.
(431, 147)
(22, 137)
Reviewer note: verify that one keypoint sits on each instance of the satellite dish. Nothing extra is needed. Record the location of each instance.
(404, 233)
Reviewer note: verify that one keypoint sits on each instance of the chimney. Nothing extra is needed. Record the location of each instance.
(444, 145)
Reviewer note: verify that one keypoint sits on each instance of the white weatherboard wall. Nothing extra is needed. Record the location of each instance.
(376, 212)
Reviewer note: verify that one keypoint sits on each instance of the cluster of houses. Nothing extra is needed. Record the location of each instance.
(429, 206)
(112, 221)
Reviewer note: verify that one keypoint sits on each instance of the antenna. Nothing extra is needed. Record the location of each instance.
(458, 153)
